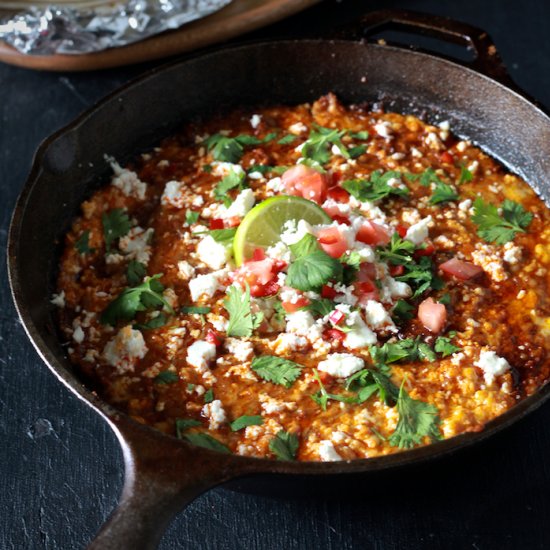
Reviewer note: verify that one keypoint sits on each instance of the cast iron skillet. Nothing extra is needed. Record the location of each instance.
(164, 474)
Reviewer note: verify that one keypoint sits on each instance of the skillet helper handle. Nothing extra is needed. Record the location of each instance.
(487, 59)
(161, 478)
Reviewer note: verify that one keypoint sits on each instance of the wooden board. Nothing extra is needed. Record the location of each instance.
(237, 18)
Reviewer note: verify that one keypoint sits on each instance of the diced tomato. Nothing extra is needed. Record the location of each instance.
(367, 290)
(278, 265)
(332, 241)
(234, 221)
(335, 179)
(372, 233)
(334, 334)
(428, 250)
(258, 254)
(432, 315)
(396, 270)
(447, 157)
(401, 230)
(216, 223)
(328, 292)
(338, 194)
(460, 269)
(341, 219)
(306, 182)
(367, 272)
(292, 307)
(213, 338)
(337, 317)
(269, 289)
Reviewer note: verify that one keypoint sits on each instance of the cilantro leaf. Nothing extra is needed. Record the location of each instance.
(206, 441)
(82, 244)
(312, 271)
(317, 147)
(241, 319)
(223, 236)
(276, 369)
(465, 175)
(234, 179)
(444, 346)
(421, 275)
(377, 187)
(147, 295)
(417, 420)
(191, 217)
(166, 377)
(306, 245)
(410, 349)
(156, 322)
(284, 445)
(320, 307)
(356, 151)
(443, 193)
(198, 310)
(362, 135)
(398, 251)
(285, 140)
(367, 382)
(322, 397)
(500, 229)
(425, 178)
(244, 421)
(116, 224)
(208, 396)
(231, 149)
(402, 310)
(135, 271)
(183, 424)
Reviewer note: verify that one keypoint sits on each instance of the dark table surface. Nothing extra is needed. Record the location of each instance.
(61, 467)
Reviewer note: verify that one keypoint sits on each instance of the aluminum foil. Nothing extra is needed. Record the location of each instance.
(49, 29)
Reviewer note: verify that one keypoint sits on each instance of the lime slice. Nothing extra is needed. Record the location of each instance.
(263, 225)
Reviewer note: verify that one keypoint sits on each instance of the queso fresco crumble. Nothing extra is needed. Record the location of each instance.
(416, 310)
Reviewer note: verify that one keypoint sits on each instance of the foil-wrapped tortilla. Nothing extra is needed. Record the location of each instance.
(70, 28)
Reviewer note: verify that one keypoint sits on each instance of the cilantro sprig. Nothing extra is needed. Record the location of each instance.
(245, 421)
(397, 252)
(207, 441)
(234, 179)
(284, 445)
(500, 228)
(82, 244)
(322, 397)
(313, 267)
(147, 295)
(231, 149)
(417, 419)
(376, 187)
(276, 370)
(318, 145)
(242, 321)
(116, 224)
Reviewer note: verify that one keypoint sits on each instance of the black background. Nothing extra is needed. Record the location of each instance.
(61, 468)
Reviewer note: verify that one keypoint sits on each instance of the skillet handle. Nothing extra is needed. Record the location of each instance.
(487, 59)
(162, 476)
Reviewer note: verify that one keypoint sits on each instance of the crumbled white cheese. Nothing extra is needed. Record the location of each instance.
(512, 253)
(215, 413)
(255, 121)
(293, 231)
(200, 353)
(390, 289)
(418, 232)
(136, 244)
(327, 452)
(287, 342)
(242, 204)
(299, 322)
(215, 255)
(204, 286)
(297, 128)
(345, 294)
(274, 184)
(222, 169)
(127, 181)
(241, 350)
(113, 259)
(341, 365)
(279, 251)
(492, 365)
(384, 129)
(125, 349)
(78, 335)
(185, 270)
(433, 142)
(58, 299)
(359, 335)
(376, 315)
(173, 194)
